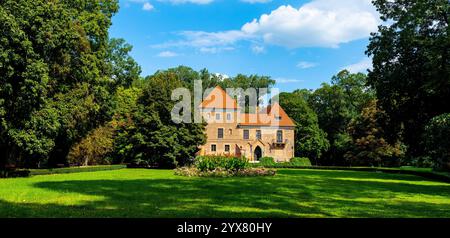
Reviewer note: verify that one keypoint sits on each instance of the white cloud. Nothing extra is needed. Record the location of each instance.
(167, 54)
(148, 6)
(256, 1)
(306, 65)
(320, 23)
(206, 42)
(222, 76)
(288, 80)
(257, 49)
(360, 67)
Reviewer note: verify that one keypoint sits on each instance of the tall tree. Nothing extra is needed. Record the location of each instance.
(336, 105)
(411, 66)
(122, 68)
(48, 49)
(154, 138)
(369, 147)
(310, 140)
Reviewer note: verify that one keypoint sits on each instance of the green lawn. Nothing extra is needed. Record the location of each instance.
(158, 193)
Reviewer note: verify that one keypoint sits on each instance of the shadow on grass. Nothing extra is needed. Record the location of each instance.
(292, 193)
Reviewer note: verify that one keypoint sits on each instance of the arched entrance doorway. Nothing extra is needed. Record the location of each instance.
(258, 153)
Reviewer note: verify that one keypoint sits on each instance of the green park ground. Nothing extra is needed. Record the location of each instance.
(159, 193)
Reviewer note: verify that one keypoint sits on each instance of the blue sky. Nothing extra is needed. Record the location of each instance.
(300, 44)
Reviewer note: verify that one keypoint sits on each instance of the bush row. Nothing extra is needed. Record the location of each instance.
(269, 162)
(12, 173)
(76, 169)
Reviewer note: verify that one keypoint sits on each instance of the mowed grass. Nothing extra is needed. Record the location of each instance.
(158, 193)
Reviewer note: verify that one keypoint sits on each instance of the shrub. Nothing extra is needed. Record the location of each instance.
(422, 162)
(221, 172)
(437, 144)
(297, 161)
(266, 161)
(209, 163)
(94, 148)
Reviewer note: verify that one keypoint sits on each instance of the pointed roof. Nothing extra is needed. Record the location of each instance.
(219, 99)
(273, 115)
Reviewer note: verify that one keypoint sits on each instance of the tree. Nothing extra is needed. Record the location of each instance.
(336, 105)
(437, 143)
(411, 66)
(154, 139)
(122, 68)
(369, 147)
(310, 140)
(48, 49)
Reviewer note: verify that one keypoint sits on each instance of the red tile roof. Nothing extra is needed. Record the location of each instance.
(273, 115)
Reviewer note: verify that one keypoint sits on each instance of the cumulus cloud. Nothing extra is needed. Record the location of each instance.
(360, 67)
(319, 23)
(306, 65)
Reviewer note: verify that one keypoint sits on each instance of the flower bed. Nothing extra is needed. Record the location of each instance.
(220, 172)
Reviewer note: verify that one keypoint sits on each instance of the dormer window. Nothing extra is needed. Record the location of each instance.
(278, 118)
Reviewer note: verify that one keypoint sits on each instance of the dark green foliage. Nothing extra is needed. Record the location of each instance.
(151, 136)
(209, 163)
(53, 88)
(122, 68)
(336, 105)
(369, 146)
(421, 162)
(437, 141)
(310, 140)
(76, 169)
(411, 67)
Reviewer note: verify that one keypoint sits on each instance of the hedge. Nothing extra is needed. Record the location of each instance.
(13, 173)
(76, 169)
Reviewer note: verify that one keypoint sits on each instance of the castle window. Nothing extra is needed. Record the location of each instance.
(279, 136)
(220, 133)
(213, 148)
(217, 116)
(258, 134)
(230, 132)
(228, 116)
(246, 135)
(227, 148)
